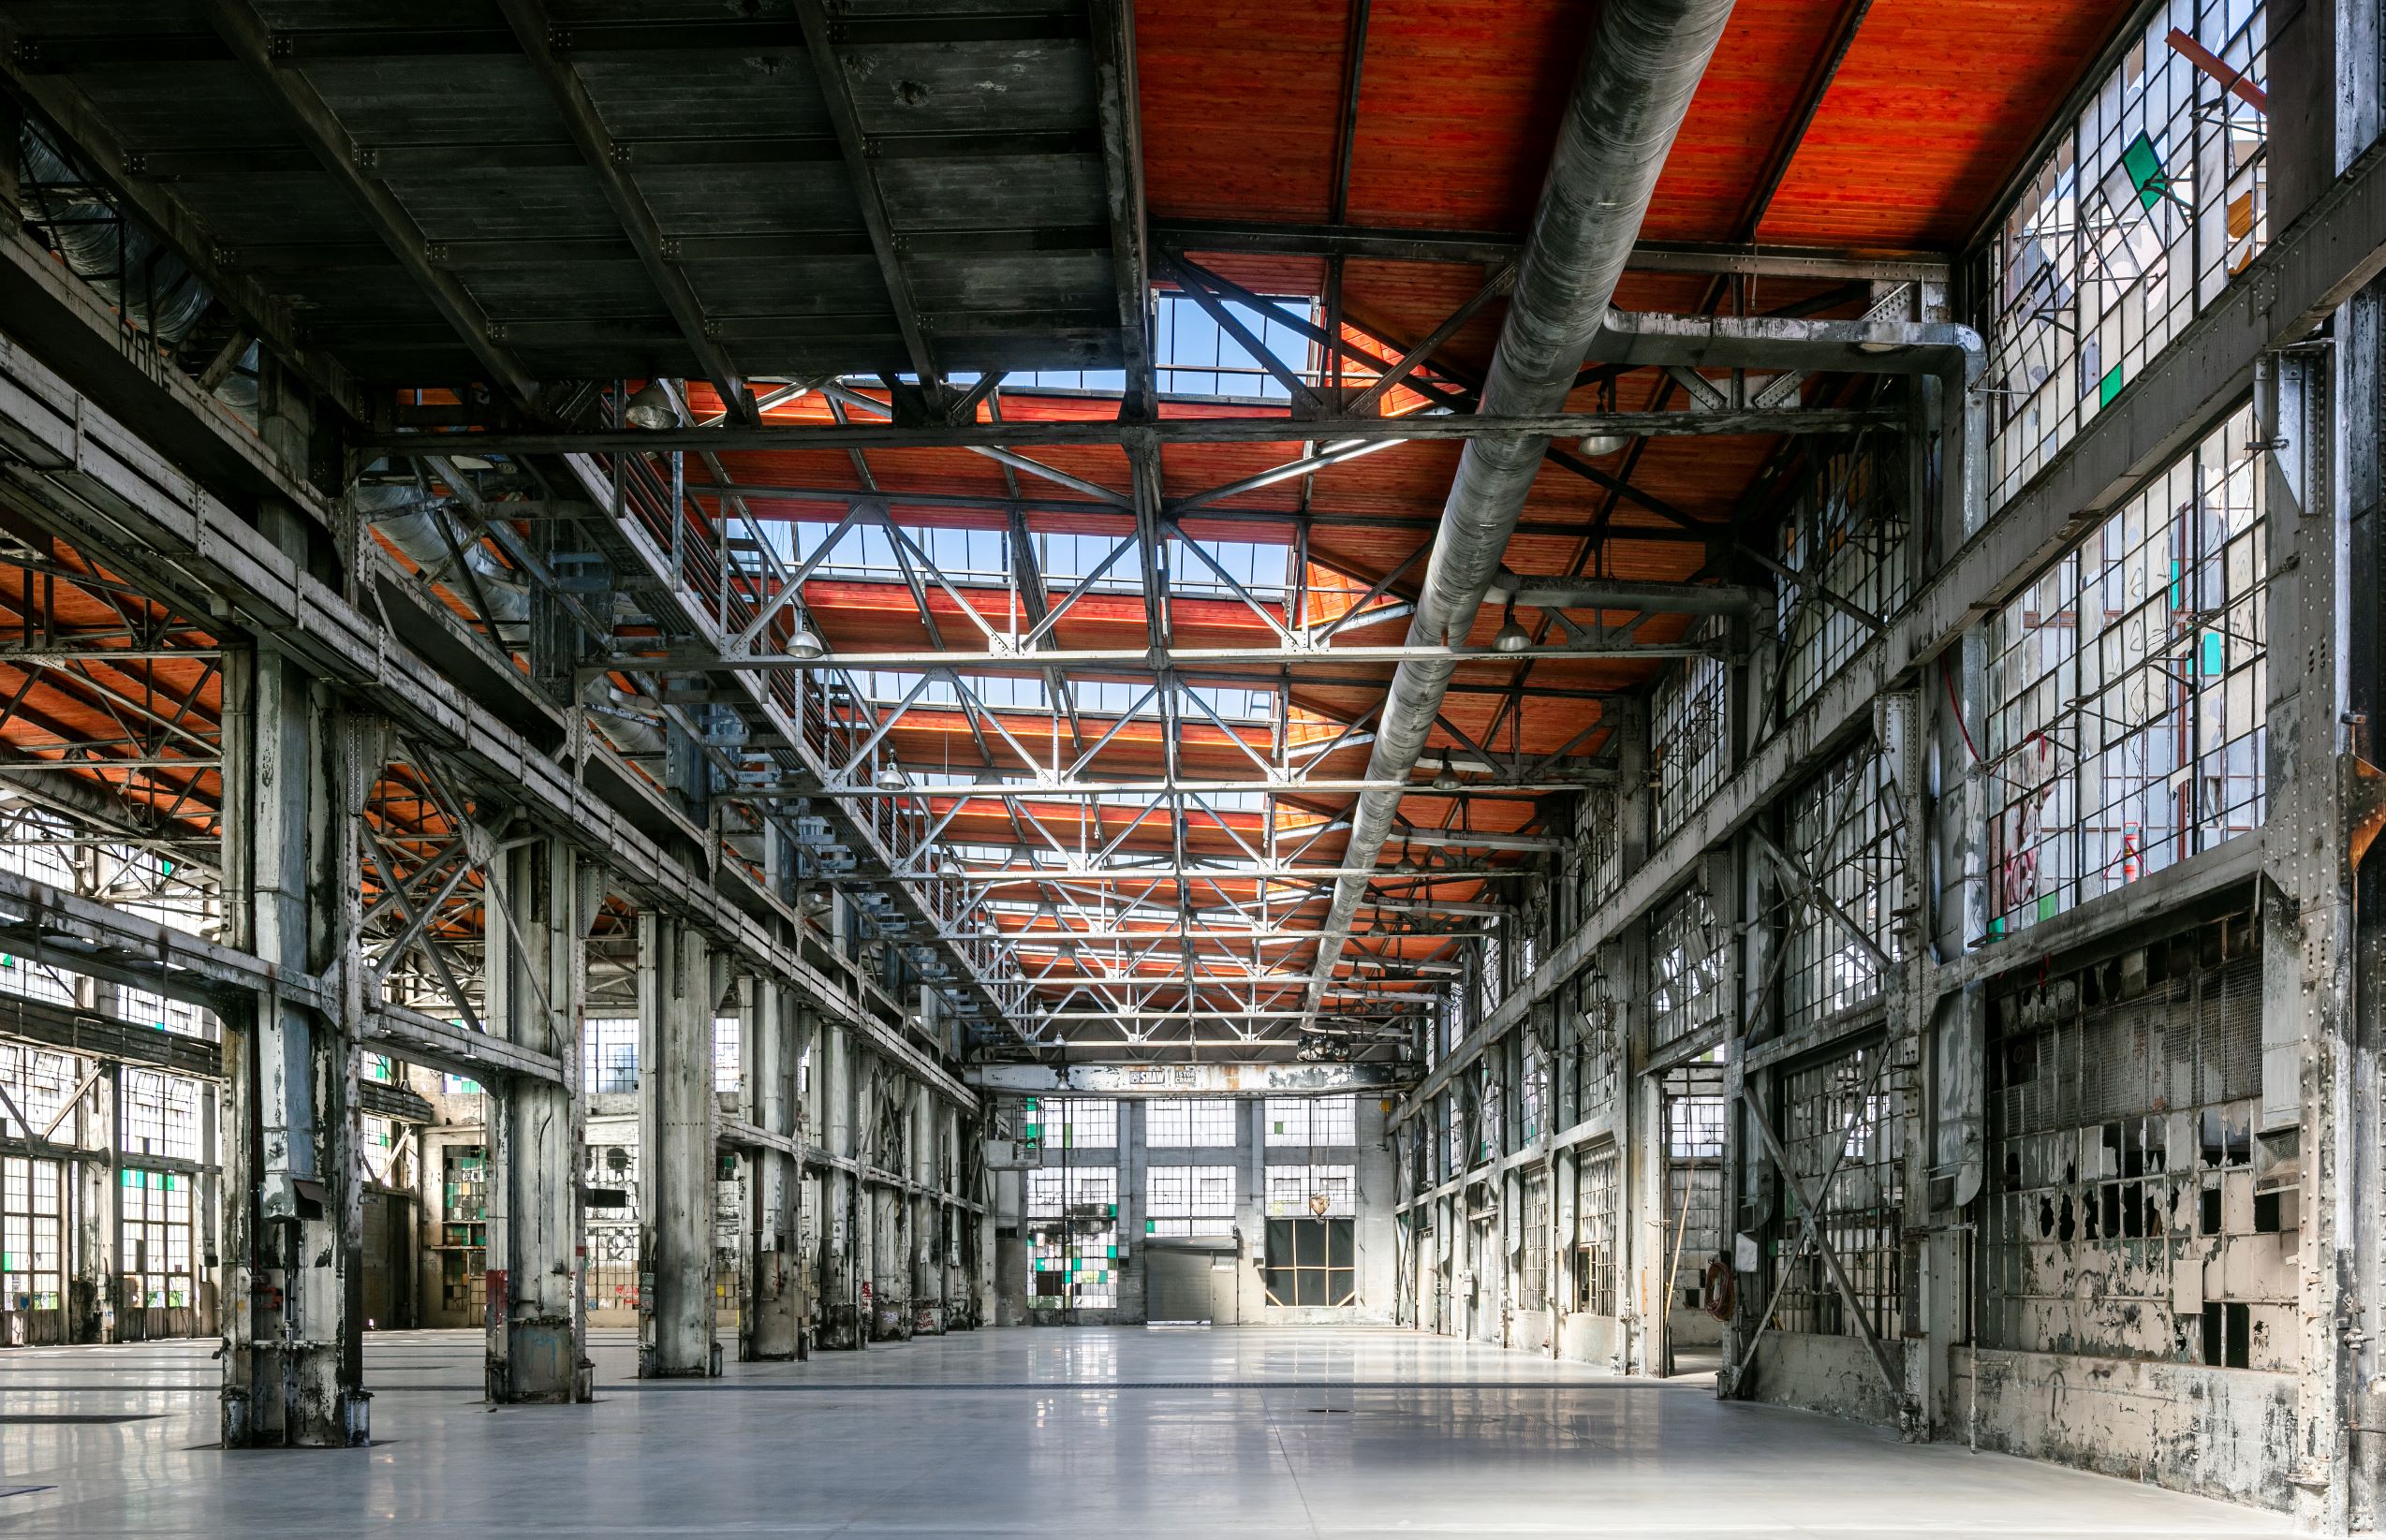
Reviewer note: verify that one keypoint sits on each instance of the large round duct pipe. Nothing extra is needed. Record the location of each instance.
(1642, 68)
(420, 524)
(116, 255)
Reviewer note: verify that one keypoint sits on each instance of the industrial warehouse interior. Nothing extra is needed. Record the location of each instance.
(1026, 767)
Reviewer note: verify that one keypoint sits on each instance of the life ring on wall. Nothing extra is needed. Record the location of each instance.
(1718, 1283)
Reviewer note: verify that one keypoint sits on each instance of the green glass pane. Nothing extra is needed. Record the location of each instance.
(2145, 170)
(2214, 655)
(2046, 906)
(2109, 387)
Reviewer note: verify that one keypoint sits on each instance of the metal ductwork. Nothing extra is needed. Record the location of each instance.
(1643, 66)
(423, 525)
(116, 255)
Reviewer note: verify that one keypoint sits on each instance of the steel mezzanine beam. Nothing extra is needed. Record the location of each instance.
(543, 44)
(1015, 435)
(836, 96)
(1488, 247)
(1136, 660)
(251, 42)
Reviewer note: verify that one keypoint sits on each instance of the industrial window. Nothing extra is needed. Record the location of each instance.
(36, 980)
(1083, 1124)
(609, 1054)
(1313, 1119)
(464, 1228)
(154, 1010)
(38, 843)
(1845, 535)
(1533, 1255)
(161, 1115)
(1183, 1123)
(1848, 1099)
(1597, 1187)
(2126, 1190)
(460, 1085)
(1055, 1190)
(1189, 1200)
(1320, 1191)
(155, 1254)
(1694, 1115)
(1686, 968)
(1532, 1089)
(729, 1066)
(1690, 748)
(380, 1148)
(2127, 691)
(1843, 827)
(41, 1083)
(1598, 1043)
(32, 1276)
(1074, 1254)
(610, 1169)
(1602, 849)
(1310, 1262)
(2137, 219)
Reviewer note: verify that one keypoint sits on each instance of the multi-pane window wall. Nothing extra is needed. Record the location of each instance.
(2127, 691)
(31, 1275)
(1689, 743)
(1843, 827)
(1312, 1119)
(2138, 219)
(1686, 968)
(728, 1064)
(156, 1258)
(1072, 1236)
(1189, 1122)
(40, 1083)
(1845, 534)
(1598, 1197)
(1602, 849)
(609, 1054)
(2127, 1216)
(1532, 1255)
(1322, 1191)
(1694, 1118)
(1090, 1123)
(1189, 1200)
(161, 1115)
(1852, 1102)
(1598, 1049)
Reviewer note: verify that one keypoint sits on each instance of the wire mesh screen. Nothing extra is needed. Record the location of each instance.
(1852, 1101)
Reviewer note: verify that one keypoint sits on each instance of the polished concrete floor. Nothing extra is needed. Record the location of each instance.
(1058, 1432)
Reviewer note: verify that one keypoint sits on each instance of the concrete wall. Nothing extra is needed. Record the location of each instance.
(2223, 1432)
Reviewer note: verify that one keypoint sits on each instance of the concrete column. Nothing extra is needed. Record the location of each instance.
(295, 775)
(537, 912)
(678, 988)
(926, 1212)
(843, 1324)
(771, 1324)
(92, 1198)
